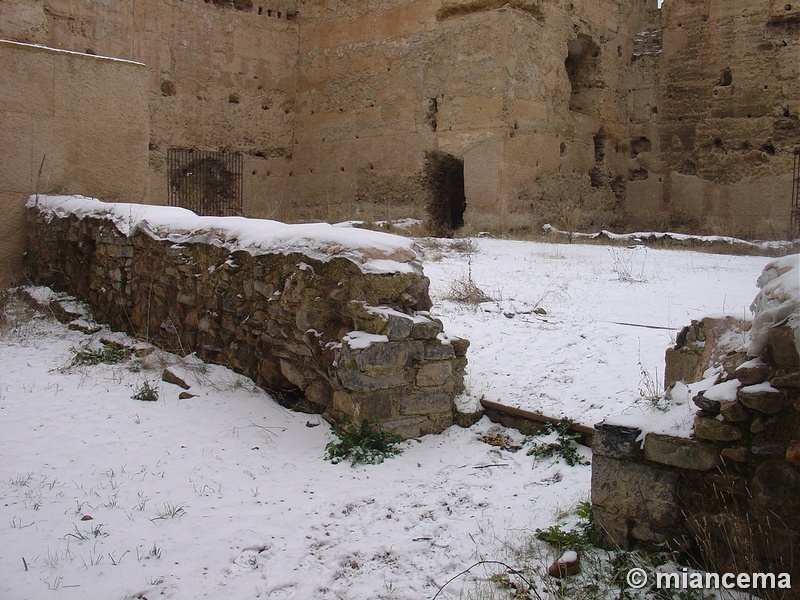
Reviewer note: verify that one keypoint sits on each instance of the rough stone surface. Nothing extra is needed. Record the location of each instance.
(783, 346)
(738, 497)
(616, 441)
(703, 344)
(635, 491)
(283, 320)
(640, 118)
(707, 428)
(680, 452)
(769, 401)
(752, 373)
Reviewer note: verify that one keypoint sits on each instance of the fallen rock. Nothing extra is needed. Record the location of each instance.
(186, 396)
(170, 377)
(568, 564)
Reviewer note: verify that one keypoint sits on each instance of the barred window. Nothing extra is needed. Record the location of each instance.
(208, 183)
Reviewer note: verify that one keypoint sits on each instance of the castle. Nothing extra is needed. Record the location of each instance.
(499, 115)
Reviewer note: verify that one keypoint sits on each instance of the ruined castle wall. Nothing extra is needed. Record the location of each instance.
(221, 75)
(379, 86)
(728, 117)
(329, 320)
(68, 120)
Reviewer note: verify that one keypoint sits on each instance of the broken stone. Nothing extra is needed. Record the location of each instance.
(568, 564)
(616, 441)
(170, 377)
(703, 403)
(791, 380)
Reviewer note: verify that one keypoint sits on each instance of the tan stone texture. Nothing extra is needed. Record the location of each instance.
(630, 117)
(71, 123)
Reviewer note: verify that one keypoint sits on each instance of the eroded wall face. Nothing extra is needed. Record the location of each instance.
(70, 123)
(728, 117)
(221, 75)
(379, 86)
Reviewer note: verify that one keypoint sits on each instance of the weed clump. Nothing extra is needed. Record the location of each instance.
(563, 448)
(367, 443)
(580, 537)
(146, 393)
(110, 353)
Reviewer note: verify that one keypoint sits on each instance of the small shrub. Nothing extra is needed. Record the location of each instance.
(466, 290)
(563, 448)
(366, 443)
(580, 537)
(146, 393)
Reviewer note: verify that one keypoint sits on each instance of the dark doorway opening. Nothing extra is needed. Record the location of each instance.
(582, 65)
(444, 179)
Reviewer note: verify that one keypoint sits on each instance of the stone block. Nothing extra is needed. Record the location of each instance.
(319, 392)
(784, 347)
(434, 374)
(460, 346)
(426, 403)
(411, 427)
(681, 452)
(359, 382)
(426, 329)
(616, 441)
(708, 428)
(734, 411)
(636, 491)
(763, 397)
(752, 372)
(438, 351)
(376, 404)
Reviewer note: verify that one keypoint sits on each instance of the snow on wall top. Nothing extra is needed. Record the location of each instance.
(778, 301)
(372, 251)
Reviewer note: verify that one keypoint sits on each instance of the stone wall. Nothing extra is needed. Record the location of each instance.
(220, 75)
(316, 328)
(730, 494)
(727, 122)
(587, 114)
(68, 121)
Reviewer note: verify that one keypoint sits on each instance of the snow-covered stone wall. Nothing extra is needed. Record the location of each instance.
(731, 491)
(330, 319)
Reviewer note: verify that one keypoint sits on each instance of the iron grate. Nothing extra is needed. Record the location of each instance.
(206, 182)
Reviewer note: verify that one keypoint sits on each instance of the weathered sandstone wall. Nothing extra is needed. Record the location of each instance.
(220, 75)
(728, 119)
(331, 321)
(587, 114)
(68, 120)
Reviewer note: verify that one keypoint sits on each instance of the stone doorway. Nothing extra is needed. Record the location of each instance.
(444, 179)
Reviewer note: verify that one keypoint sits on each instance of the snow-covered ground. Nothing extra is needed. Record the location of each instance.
(227, 495)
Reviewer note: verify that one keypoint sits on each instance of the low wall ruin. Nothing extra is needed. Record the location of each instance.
(330, 320)
(730, 493)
